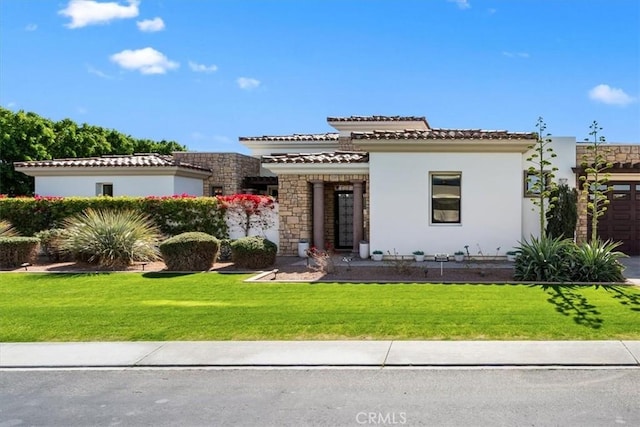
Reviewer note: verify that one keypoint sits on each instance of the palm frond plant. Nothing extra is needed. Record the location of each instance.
(598, 261)
(110, 238)
(545, 259)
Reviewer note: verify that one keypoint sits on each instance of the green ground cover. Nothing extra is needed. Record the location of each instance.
(211, 306)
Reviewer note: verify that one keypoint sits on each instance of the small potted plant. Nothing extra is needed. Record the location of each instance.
(377, 255)
(418, 256)
(458, 256)
(511, 256)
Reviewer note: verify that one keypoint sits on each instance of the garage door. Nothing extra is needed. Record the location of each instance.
(621, 222)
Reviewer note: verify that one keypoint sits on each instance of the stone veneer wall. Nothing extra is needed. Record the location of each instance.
(614, 153)
(346, 144)
(228, 169)
(295, 198)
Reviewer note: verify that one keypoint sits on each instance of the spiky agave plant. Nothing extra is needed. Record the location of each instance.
(598, 261)
(7, 230)
(111, 238)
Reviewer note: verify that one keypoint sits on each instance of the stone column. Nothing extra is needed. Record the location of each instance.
(358, 221)
(318, 214)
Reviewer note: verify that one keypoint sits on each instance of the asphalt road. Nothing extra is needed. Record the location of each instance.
(331, 397)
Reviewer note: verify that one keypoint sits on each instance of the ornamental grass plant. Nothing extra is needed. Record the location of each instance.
(110, 238)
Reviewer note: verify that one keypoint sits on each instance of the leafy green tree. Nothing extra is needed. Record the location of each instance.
(162, 147)
(562, 217)
(541, 173)
(26, 136)
(23, 137)
(595, 178)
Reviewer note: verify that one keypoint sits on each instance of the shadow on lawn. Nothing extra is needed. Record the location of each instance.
(570, 303)
(167, 274)
(624, 297)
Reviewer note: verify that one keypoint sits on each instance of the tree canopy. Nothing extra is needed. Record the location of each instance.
(26, 136)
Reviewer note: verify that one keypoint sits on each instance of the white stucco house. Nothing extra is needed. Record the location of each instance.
(401, 185)
(131, 175)
(392, 181)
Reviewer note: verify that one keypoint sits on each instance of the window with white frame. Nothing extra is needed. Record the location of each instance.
(445, 197)
(104, 189)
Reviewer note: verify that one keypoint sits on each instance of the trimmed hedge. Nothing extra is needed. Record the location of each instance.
(253, 252)
(16, 250)
(173, 215)
(193, 251)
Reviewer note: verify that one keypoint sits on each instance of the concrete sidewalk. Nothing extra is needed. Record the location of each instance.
(319, 353)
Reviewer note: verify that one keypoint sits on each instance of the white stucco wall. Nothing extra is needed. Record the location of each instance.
(491, 202)
(271, 233)
(565, 150)
(190, 186)
(85, 186)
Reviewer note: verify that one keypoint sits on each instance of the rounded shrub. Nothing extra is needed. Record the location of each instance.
(17, 250)
(191, 251)
(253, 252)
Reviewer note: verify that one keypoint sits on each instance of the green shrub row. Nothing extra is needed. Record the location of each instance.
(561, 260)
(17, 250)
(172, 215)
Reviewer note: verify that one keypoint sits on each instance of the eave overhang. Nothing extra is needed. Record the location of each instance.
(317, 168)
(41, 171)
(443, 145)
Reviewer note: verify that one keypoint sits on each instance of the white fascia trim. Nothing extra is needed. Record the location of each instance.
(290, 146)
(119, 171)
(443, 146)
(368, 126)
(320, 168)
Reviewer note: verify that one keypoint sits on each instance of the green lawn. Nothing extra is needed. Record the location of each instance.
(210, 306)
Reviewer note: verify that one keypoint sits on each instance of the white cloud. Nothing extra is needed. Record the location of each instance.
(98, 73)
(516, 54)
(12, 104)
(610, 95)
(151, 25)
(247, 83)
(201, 68)
(462, 4)
(90, 12)
(31, 27)
(147, 61)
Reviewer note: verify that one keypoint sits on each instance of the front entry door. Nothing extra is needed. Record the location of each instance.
(344, 219)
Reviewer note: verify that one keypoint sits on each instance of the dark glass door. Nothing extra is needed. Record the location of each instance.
(344, 219)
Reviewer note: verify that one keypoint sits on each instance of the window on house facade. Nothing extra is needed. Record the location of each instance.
(530, 180)
(104, 189)
(445, 197)
(216, 190)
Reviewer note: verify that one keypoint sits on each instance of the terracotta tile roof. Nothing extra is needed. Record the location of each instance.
(377, 119)
(332, 157)
(444, 134)
(134, 160)
(294, 137)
